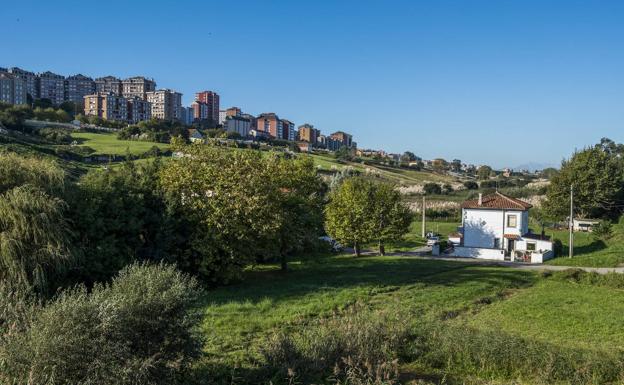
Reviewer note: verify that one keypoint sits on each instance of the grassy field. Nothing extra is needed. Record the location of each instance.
(590, 250)
(108, 144)
(239, 319)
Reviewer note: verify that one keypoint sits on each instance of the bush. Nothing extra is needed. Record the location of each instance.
(432, 189)
(359, 345)
(56, 135)
(470, 185)
(137, 330)
(603, 230)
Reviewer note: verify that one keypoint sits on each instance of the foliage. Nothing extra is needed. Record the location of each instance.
(340, 176)
(432, 189)
(56, 135)
(356, 346)
(16, 170)
(360, 211)
(597, 174)
(471, 185)
(484, 172)
(51, 115)
(154, 130)
(409, 156)
(119, 216)
(34, 236)
(602, 230)
(12, 117)
(439, 165)
(344, 153)
(137, 330)
(549, 173)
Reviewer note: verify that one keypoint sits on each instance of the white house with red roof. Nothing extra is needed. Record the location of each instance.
(496, 226)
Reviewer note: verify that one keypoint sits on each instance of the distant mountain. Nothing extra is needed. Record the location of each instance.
(532, 166)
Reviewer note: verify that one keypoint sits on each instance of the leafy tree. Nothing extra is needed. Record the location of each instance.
(348, 213)
(484, 172)
(432, 189)
(16, 170)
(13, 117)
(456, 165)
(391, 218)
(137, 330)
(471, 185)
(549, 173)
(409, 156)
(344, 153)
(597, 174)
(439, 165)
(34, 237)
(447, 188)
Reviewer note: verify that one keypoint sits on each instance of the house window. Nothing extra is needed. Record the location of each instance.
(497, 243)
(531, 246)
(512, 220)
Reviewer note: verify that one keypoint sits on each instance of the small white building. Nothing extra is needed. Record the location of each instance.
(585, 225)
(496, 227)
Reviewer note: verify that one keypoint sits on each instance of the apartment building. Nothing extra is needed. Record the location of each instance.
(29, 78)
(270, 123)
(288, 130)
(186, 115)
(237, 124)
(138, 110)
(342, 137)
(52, 87)
(137, 86)
(77, 87)
(309, 134)
(106, 106)
(329, 142)
(166, 104)
(109, 84)
(12, 89)
(211, 100)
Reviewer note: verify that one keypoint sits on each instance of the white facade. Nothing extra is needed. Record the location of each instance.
(237, 124)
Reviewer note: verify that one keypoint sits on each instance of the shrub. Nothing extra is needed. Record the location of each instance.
(602, 230)
(137, 330)
(359, 345)
(432, 189)
(470, 185)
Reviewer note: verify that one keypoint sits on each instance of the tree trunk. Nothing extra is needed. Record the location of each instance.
(382, 248)
(356, 249)
(284, 263)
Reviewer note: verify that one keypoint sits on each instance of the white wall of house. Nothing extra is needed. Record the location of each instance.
(477, 252)
(482, 226)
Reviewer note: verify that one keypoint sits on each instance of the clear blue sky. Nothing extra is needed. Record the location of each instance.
(486, 81)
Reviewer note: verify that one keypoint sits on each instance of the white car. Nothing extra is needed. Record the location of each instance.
(433, 241)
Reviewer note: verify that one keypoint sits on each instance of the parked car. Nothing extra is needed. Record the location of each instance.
(434, 240)
(335, 246)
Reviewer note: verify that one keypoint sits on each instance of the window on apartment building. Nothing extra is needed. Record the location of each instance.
(531, 246)
(512, 221)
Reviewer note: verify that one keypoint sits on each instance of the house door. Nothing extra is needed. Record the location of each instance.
(510, 248)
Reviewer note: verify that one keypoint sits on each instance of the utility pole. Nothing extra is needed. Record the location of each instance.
(423, 217)
(571, 224)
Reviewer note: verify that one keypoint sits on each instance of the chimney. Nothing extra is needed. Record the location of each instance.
(480, 199)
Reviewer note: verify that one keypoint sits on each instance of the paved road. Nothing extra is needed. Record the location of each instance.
(424, 253)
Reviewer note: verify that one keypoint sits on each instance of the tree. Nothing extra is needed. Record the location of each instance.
(471, 185)
(409, 156)
(549, 173)
(432, 189)
(447, 188)
(597, 174)
(391, 218)
(439, 165)
(137, 330)
(456, 165)
(484, 172)
(348, 213)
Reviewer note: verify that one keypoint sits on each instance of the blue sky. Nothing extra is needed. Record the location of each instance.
(498, 82)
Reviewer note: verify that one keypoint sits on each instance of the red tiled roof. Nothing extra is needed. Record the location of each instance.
(496, 201)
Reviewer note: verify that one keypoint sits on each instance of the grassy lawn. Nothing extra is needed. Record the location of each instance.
(413, 238)
(108, 144)
(238, 319)
(562, 313)
(589, 250)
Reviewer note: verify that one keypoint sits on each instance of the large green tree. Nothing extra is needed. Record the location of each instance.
(597, 176)
(391, 217)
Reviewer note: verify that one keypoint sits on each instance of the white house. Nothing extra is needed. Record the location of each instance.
(586, 225)
(496, 227)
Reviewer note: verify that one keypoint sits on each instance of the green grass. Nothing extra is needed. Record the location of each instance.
(589, 250)
(108, 144)
(560, 313)
(238, 319)
(413, 238)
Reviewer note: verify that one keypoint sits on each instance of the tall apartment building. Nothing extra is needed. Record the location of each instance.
(200, 110)
(109, 84)
(288, 130)
(342, 137)
(138, 110)
(237, 124)
(252, 121)
(270, 123)
(52, 86)
(77, 87)
(329, 142)
(166, 104)
(307, 133)
(29, 78)
(106, 106)
(186, 115)
(12, 89)
(211, 100)
(137, 86)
